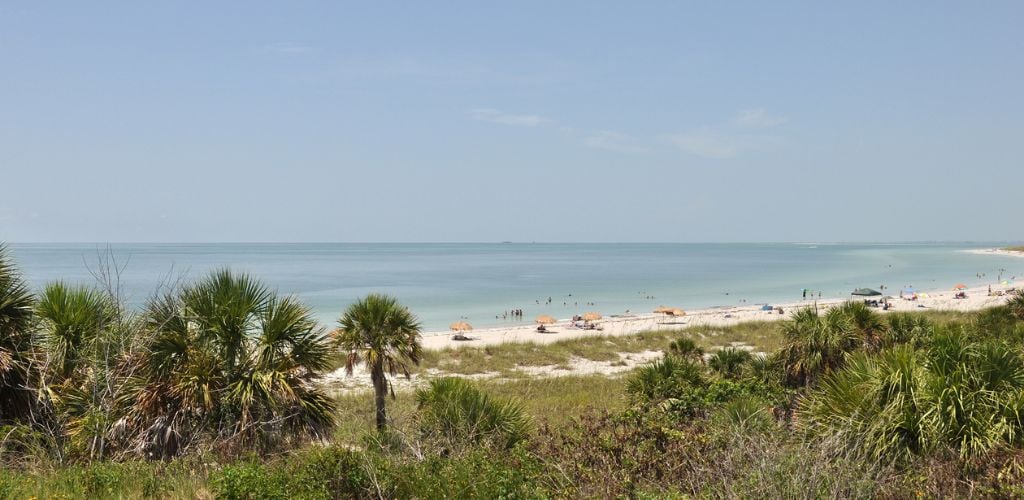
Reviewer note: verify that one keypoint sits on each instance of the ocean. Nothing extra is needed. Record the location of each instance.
(442, 283)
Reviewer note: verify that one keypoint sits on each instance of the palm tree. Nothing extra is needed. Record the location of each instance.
(16, 319)
(385, 335)
(228, 357)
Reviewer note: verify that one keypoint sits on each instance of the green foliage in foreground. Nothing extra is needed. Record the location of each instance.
(956, 394)
(459, 414)
(16, 318)
(222, 363)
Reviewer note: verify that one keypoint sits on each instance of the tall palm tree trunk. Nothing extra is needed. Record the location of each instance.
(380, 394)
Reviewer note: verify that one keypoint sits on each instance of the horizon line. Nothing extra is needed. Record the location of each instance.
(513, 242)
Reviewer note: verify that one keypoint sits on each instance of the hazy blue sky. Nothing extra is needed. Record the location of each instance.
(536, 121)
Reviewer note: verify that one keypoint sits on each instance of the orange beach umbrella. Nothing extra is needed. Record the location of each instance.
(460, 326)
(960, 286)
(546, 319)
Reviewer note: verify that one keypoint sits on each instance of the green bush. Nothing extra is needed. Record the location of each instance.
(459, 414)
(479, 473)
(956, 394)
(315, 473)
(664, 379)
(729, 362)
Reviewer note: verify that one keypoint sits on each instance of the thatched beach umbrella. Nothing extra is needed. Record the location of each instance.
(677, 312)
(546, 319)
(458, 327)
(662, 310)
(591, 316)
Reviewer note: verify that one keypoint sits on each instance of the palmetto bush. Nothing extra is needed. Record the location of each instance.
(729, 362)
(908, 328)
(16, 321)
(818, 343)
(867, 323)
(685, 347)
(1016, 305)
(956, 394)
(85, 343)
(231, 362)
(459, 414)
(664, 379)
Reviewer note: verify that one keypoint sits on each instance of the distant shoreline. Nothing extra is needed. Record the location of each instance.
(1005, 252)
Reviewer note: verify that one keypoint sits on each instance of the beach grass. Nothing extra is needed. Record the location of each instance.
(503, 359)
(547, 400)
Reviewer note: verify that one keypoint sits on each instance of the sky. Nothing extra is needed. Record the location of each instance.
(525, 121)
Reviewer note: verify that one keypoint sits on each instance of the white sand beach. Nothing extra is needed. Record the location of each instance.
(977, 298)
(997, 251)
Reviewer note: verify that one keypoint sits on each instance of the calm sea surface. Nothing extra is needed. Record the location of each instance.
(442, 283)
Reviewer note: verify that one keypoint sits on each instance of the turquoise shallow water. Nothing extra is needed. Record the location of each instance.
(444, 282)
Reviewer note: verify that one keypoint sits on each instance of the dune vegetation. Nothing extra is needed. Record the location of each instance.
(213, 390)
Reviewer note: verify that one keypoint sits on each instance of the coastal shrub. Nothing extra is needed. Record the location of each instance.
(614, 455)
(101, 479)
(685, 347)
(1016, 305)
(663, 379)
(454, 411)
(329, 472)
(906, 328)
(817, 344)
(957, 394)
(765, 369)
(868, 324)
(997, 322)
(637, 454)
(698, 400)
(16, 320)
(85, 342)
(744, 414)
(232, 363)
(729, 362)
(478, 474)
